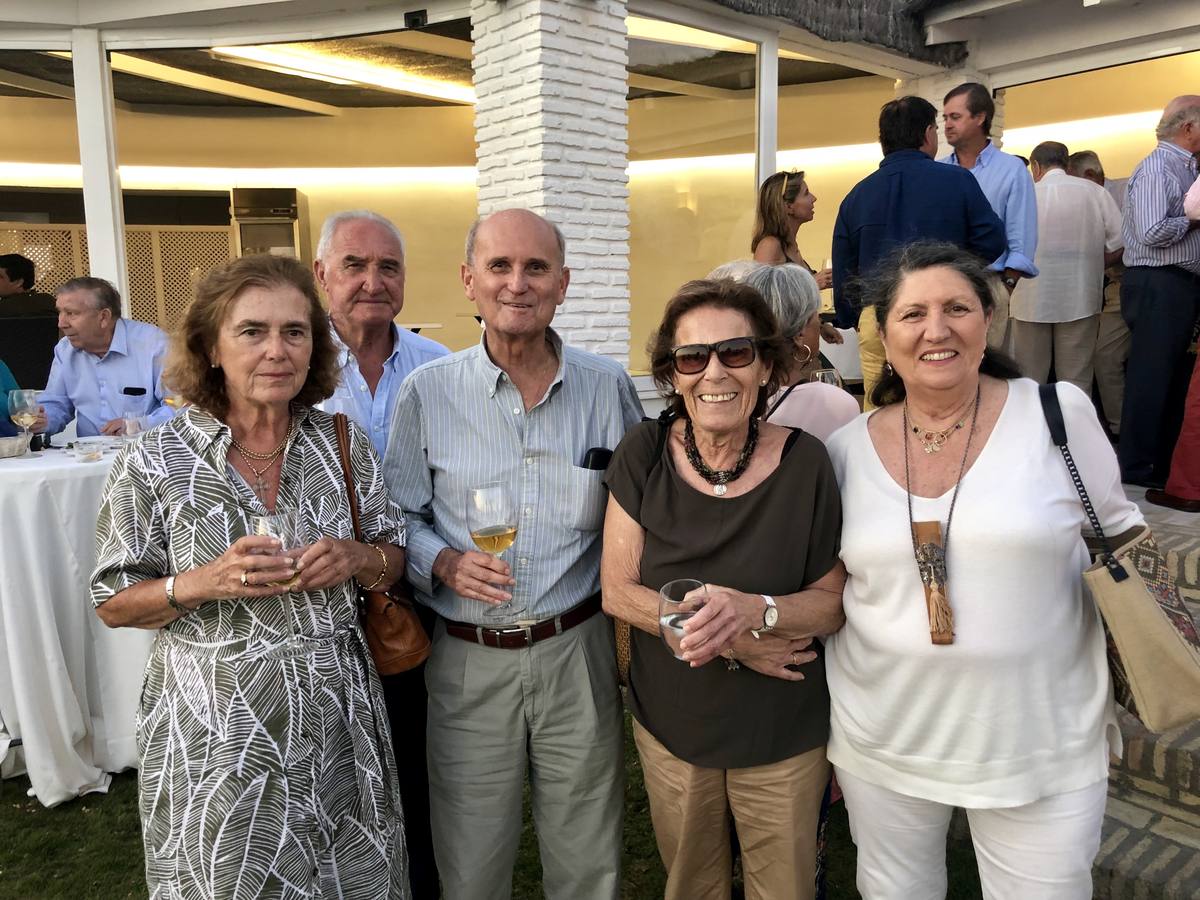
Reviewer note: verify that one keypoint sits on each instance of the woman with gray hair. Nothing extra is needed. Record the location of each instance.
(816, 407)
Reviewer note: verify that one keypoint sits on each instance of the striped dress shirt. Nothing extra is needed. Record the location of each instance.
(460, 422)
(1156, 228)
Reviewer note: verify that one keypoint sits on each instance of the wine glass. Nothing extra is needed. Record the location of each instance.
(23, 409)
(827, 376)
(283, 525)
(492, 521)
(678, 601)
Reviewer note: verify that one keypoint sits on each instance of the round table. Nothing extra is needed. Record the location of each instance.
(69, 686)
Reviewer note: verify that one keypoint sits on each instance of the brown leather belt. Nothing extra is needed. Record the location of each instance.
(516, 637)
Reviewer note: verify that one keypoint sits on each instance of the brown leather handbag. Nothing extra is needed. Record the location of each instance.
(395, 636)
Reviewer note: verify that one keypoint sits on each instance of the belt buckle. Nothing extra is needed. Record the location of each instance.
(521, 626)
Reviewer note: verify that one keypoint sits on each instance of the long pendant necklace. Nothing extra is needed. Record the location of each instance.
(718, 478)
(930, 554)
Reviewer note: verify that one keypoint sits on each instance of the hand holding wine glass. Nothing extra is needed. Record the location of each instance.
(492, 521)
(25, 411)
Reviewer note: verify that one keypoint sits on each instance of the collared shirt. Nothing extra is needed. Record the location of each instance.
(1156, 228)
(1078, 221)
(1009, 188)
(908, 198)
(91, 388)
(460, 422)
(372, 411)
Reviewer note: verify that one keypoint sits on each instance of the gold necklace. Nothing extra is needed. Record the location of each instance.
(250, 454)
(260, 485)
(932, 440)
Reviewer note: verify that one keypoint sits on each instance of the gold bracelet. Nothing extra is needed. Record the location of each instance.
(382, 572)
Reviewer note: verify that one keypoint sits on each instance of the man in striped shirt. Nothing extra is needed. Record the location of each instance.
(522, 676)
(1160, 295)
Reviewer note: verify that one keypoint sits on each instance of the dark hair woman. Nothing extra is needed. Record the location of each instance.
(750, 510)
(971, 670)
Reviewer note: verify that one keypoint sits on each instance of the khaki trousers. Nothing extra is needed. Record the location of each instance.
(1112, 349)
(871, 353)
(1071, 346)
(776, 809)
(553, 711)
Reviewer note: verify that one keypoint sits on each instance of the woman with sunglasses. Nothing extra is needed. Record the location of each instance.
(751, 510)
(784, 204)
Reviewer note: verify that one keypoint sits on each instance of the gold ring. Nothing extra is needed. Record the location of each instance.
(245, 583)
(794, 663)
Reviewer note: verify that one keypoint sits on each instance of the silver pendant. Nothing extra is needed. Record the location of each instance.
(720, 489)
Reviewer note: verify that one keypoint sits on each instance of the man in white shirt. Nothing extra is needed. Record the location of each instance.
(1055, 316)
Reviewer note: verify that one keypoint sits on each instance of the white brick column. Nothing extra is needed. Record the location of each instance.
(934, 87)
(551, 135)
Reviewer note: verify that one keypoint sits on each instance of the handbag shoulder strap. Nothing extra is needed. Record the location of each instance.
(774, 406)
(342, 425)
(1052, 410)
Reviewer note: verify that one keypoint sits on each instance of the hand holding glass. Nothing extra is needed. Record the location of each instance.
(492, 521)
(283, 525)
(678, 601)
(827, 376)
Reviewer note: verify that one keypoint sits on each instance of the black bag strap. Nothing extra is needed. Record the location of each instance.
(774, 406)
(1052, 410)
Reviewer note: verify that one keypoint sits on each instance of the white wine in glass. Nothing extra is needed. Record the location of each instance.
(492, 521)
(23, 409)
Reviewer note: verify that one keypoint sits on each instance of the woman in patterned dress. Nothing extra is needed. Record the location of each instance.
(266, 766)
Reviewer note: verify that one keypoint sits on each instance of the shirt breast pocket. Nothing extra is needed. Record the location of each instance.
(585, 497)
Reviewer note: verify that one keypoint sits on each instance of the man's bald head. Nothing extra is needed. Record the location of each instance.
(499, 219)
(1180, 122)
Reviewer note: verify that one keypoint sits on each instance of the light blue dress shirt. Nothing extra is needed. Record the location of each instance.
(90, 388)
(1156, 229)
(1009, 188)
(460, 422)
(373, 412)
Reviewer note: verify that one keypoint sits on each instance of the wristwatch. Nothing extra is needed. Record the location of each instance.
(770, 617)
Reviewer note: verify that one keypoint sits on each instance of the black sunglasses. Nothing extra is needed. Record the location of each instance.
(735, 353)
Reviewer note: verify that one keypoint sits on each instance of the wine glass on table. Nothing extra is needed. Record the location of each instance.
(492, 521)
(23, 409)
(283, 525)
(678, 601)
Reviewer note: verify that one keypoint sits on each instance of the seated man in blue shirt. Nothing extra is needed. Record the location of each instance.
(360, 267)
(105, 368)
(910, 197)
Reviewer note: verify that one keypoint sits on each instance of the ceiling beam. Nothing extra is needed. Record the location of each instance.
(144, 68)
(671, 86)
(964, 9)
(48, 88)
(423, 42)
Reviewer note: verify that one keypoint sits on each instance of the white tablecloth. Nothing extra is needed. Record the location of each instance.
(69, 686)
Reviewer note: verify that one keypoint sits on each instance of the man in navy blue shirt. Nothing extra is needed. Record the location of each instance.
(910, 197)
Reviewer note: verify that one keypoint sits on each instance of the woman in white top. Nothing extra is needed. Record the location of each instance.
(987, 687)
(815, 407)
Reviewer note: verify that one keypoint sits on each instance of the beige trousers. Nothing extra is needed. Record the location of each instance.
(775, 809)
(871, 353)
(1112, 349)
(1071, 346)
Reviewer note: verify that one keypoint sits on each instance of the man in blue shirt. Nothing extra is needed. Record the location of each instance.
(1160, 295)
(105, 367)
(909, 197)
(968, 110)
(360, 266)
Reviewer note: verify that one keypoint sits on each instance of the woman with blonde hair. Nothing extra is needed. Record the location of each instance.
(784, 204)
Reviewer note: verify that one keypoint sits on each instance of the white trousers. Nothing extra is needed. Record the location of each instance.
(1041, 851)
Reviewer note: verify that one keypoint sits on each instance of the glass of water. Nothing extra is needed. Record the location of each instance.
(678, 601)
(283, 525)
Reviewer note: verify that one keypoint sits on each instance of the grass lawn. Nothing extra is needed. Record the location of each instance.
(91, 847)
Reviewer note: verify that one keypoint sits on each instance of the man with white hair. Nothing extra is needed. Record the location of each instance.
(1160, 295)
(360, 266)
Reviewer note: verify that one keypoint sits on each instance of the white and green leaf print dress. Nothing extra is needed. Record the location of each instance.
(266, 769)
